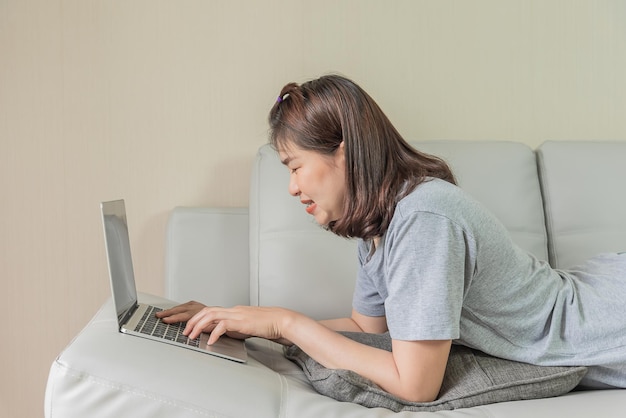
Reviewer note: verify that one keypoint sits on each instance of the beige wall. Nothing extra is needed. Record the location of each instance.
(164, 103)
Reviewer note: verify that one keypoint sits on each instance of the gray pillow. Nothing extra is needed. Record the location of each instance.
(472, 378)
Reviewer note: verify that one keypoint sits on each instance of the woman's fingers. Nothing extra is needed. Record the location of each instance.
(203, 321)
(219, 330)
(241, 320)
(180, 313)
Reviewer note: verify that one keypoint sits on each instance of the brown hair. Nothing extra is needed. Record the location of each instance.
(381, 167)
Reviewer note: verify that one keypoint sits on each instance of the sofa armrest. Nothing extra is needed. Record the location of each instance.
(105, 373)
(206, 256)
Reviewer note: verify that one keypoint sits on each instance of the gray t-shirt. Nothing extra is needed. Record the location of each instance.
(447, 269)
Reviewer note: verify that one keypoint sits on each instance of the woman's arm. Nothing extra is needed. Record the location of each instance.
(413, 370)
(358, 323)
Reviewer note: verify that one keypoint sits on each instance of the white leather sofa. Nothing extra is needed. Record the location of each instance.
(563, 202)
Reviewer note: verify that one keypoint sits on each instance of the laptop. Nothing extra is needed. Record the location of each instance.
(138, 318)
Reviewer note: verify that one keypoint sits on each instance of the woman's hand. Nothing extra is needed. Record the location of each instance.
(180, 313)
(254, 321)
(238, 322)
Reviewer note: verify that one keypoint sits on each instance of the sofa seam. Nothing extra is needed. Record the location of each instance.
(545, 200)
(284, 395)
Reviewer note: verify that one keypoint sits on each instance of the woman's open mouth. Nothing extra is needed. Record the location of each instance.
(310, 208)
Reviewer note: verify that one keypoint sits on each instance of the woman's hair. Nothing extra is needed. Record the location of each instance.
(381, 167)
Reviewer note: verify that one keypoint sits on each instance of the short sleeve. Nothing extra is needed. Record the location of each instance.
(428, 266)
(366, 299)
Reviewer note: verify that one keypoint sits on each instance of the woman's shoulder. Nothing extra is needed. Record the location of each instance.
(439, 199)
(436, 196)
(438, 202)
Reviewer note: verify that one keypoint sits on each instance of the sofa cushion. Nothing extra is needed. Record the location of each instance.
(585, 203)
(502, 176)
(472, 378)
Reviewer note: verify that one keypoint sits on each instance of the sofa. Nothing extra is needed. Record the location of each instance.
(563, 202)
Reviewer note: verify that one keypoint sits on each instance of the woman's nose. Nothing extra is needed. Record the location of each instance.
(293, 187)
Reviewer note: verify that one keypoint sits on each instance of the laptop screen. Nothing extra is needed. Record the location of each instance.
(120, 262)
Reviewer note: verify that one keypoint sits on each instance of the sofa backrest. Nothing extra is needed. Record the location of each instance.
(206, 256)
(584, 188)
(296, 264)
(502, 176)
(293, 262)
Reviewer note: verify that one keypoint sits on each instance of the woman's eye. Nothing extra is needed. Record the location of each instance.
(293, 170)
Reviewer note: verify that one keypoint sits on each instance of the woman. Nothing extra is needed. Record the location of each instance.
(435, 266)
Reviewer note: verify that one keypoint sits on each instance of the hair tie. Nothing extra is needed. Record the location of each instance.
(279, 99)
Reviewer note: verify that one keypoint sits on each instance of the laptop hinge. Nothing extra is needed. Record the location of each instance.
(125, 316)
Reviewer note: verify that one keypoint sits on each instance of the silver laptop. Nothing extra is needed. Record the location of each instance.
(137, 318)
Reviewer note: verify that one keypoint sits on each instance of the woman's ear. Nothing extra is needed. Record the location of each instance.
(340, 153)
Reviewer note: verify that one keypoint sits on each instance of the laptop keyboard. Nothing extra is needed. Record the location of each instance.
(151, 325)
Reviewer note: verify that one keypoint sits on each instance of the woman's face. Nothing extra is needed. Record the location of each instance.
(318, 180)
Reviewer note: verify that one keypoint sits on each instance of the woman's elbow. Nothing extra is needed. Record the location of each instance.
(418, 394)
(420, 397)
